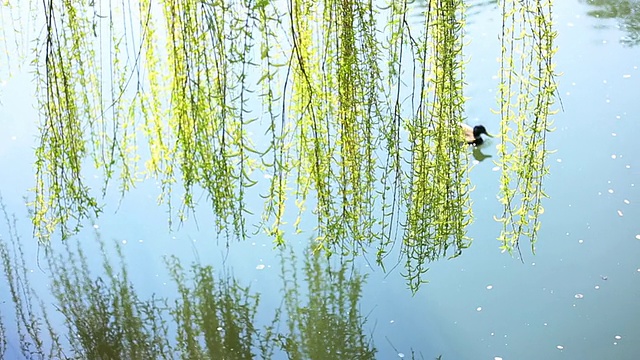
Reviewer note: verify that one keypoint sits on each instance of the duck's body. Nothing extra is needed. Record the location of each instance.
(472, 134)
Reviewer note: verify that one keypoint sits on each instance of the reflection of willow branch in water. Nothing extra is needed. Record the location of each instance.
(626, 11)
(329, 325)
(105, 318)
(209, 318)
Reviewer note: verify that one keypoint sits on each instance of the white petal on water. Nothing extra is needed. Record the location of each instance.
(597, 287)
(626, 76)
(479, 308)
(489, 287)
(620, 213)
(638, 236)
(618, 337)
(560, 347)
(124, 242)
(497, 358)
(496, 168)
(610, 191)
(401, 355)
(260, 267)
(626, 201)
(613, 156)
(580, 241)
(578, 296)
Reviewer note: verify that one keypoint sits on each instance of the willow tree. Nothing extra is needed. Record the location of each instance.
(350, 108)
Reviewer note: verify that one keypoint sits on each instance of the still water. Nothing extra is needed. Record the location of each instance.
(576, 298)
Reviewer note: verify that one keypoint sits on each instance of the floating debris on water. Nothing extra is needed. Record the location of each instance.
(578, 296)
(560, 347)
(604, 277)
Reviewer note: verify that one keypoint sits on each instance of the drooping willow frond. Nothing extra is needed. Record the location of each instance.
(527, 94)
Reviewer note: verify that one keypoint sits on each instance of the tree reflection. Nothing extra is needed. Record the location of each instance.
(626, 11)
(102, 316)
(325, 323)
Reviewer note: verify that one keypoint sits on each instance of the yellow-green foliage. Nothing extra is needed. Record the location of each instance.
(343, 107)
(527, 93)
(438, 202)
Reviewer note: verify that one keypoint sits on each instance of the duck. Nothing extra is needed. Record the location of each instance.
(472, 134)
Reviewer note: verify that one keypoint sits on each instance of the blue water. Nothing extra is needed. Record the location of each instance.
(576, 298)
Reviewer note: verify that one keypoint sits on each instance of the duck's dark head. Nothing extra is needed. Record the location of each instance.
(479, 130)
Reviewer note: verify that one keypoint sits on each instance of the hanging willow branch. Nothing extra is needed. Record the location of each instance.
(67, 94)
(527, 94)
(438, 203)
(356, 120)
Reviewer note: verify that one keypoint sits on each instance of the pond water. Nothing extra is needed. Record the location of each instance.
(576, 298)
